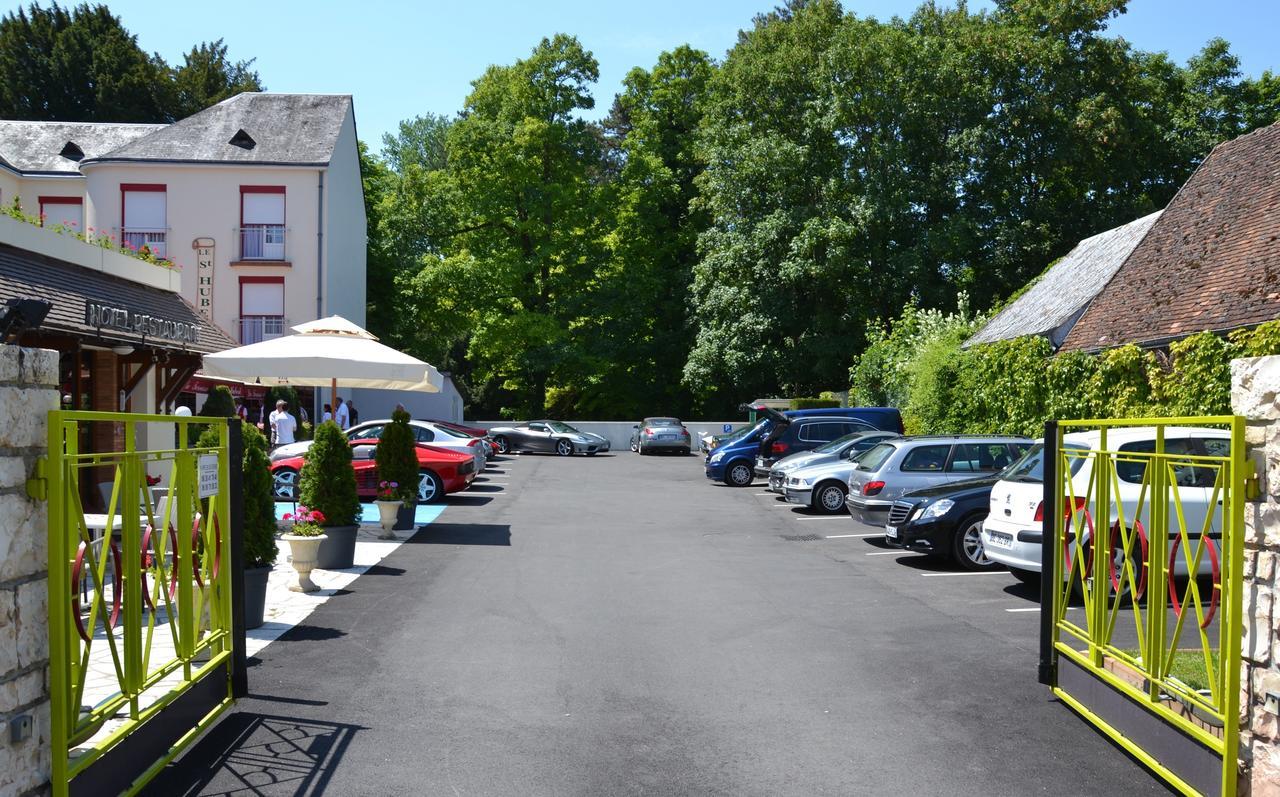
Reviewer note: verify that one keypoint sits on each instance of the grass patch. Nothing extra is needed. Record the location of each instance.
(1187, 667)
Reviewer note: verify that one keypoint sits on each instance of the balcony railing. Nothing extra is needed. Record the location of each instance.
(150, 237)
(257, 328)
(262, 242)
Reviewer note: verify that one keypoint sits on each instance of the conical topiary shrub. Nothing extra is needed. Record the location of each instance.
(396, 457)
(259, 505)
(328, 482)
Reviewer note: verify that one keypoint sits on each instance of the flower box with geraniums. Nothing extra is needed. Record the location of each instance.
(304, 541)
(328, 484)
(396, 459)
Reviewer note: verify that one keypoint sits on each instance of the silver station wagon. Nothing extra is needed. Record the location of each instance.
(899, 466)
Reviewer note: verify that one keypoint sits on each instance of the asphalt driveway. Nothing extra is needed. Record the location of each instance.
(617, 625)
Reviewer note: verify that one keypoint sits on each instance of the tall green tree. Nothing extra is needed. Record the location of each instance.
(206, 77)
(641, 293)
(519, 247)
(80, 64)
(75, 64)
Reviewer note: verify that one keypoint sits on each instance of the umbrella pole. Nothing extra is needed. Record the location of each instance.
(333, 397)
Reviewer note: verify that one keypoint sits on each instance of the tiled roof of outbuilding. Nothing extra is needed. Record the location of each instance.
(35, 147)
(1211, 262)
(286, 129)
(1066, 288)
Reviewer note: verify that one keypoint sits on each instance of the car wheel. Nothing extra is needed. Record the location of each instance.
(966, 546)
(739, 474)
(828, 498)
(430, 488)
(503, 444)
(635, 446)
(284, 484)
(564, 448)
(1025, 576)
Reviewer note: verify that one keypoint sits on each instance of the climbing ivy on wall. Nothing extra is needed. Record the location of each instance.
(1014, 386)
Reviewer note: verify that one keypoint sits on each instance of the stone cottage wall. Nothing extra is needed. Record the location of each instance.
(1255, 394)
(28, 390)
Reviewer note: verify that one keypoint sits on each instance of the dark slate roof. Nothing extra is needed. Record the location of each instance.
(34, 147)
(1066, 288)
(287, 129)
(1212, 261)
(67, 287)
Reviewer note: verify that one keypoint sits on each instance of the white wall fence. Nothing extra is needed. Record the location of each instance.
(618, 433)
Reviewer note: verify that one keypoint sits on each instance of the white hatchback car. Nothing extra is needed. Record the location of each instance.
(1013, 530)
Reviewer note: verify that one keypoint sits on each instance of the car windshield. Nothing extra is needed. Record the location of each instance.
(875, 457)
(557, 426)
(447, 432)
(662, 422)
(838, 443)
(1030, 468)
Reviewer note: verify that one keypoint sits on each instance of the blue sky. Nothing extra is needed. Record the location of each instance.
(401, 58)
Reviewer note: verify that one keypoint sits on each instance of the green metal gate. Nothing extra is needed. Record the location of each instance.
(141, 631)
(1149, 656)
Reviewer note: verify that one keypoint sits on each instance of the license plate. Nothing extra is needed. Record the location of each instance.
(666, 437)
(1000, 539)
(891, 532)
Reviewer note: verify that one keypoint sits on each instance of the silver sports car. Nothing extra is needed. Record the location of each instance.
(555, 436)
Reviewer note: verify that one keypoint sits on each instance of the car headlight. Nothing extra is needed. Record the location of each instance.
(716, 457)
(937, 509)
(800, 482)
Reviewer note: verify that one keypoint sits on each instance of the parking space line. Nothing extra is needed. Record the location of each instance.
(842, 536)
(971, 573)
(1037, 609)
(887, 553)
(775, 494)
(822, 517)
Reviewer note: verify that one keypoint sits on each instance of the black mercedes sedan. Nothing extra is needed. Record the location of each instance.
(944, 521)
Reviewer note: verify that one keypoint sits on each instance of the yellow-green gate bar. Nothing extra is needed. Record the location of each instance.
(140, 597)
(1144, 520)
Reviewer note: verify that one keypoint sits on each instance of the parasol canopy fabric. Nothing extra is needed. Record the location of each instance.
(321, 353)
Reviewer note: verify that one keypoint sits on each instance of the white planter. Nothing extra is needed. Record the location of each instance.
(388, 513)
(303, 552)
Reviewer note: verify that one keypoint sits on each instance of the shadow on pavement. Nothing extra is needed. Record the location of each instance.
(458, 499)
(311, 633)
(929, 564)
(1027, 592)
(258, 754)
(462, 534)
(480, 487)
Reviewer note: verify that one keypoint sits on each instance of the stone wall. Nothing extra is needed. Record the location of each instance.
(1255, 394)
(28, 390)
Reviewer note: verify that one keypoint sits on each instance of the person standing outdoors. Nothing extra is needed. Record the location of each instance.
(351, 410)
(342, 415)
(283, 425)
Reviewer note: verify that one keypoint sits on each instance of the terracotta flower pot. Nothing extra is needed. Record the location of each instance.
(303, 551)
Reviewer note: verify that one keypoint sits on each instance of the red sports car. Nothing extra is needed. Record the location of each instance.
(440, 471)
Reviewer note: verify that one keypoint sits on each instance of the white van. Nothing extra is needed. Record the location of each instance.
(1012, 532)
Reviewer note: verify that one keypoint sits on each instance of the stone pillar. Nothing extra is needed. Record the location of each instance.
(28, 391)
(1255, 394)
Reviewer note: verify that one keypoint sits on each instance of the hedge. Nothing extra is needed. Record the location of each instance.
(813, 403)
(1014, 386)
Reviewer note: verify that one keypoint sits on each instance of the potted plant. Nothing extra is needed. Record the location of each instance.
(396, 459)
(305, 539)
(390, 503)
(259, 525)
(328, 484)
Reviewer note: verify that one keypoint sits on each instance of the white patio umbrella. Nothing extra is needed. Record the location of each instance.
(331, 351)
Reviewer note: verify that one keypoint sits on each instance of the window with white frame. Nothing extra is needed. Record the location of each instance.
(145, 219)
(261, 310)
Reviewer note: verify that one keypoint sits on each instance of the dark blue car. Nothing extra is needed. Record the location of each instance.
(734, 460)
